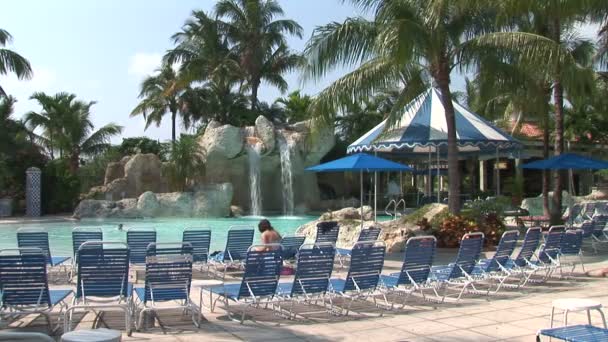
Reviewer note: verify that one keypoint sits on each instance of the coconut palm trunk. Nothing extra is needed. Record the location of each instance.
(443, 81)
(546, 173)
(558, 102)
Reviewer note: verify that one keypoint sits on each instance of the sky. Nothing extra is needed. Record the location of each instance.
(101, 50)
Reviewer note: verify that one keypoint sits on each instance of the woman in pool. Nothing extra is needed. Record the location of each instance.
(269, 234)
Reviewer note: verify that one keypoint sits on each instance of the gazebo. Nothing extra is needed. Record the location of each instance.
(421, 130)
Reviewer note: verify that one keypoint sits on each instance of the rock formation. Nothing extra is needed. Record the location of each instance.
(208, 201)
(394, 233)
(226, 160)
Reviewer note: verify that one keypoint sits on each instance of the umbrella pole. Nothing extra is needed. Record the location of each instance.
(375, 190)
(497, 174)
(429, 183)
(361, 196)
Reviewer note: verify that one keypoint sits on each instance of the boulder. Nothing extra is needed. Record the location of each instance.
(114, 170)
(94, 208)
(126, 208)
(221, 142)
(174, 204)
(212, 200)
(147, 204)
(264, 130)
(143, 173)
(236, 211)
(395, 233)
(534, 205)
(349, 213)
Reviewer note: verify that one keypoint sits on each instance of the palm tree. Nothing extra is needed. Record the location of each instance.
(12, 62)
(186, 163)
(66, 126)
(160, 94)
(258, 40)
(554, 48)
(403, 38)
(48, 119)
(295, 106)
(206, 59)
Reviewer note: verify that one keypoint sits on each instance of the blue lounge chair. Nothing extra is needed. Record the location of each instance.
(291, 245)
(259, 283)
(370, 234)
(103, 280)
(138, 240)
(81, 235)
(238, 243)
(589, 210)
(521, 263)
(363, 278)
(39, 238)
(571, 249)
(24, 287)
(327, 232)
(496, 269)
(200, 240)
(576, 333)
(415, 270)
(548, 255)
(460, 272)
(168, 278)
(314, 266)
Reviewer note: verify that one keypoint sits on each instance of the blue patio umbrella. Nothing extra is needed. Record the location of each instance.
(567, 161)
(360, 162)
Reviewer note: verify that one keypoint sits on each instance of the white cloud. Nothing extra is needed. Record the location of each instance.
(143, 64)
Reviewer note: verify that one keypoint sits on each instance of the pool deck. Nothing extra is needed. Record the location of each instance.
(511, 315)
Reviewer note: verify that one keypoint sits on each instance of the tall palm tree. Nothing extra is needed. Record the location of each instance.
(554, 48)
(258, 39)
(402, 38)
(160, 94)
(66, 126)
(295, 106)
(48, 119)
(12, 62)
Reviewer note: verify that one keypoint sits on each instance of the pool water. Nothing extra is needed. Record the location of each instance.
(167, 229)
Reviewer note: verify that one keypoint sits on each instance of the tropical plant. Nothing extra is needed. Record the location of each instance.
(295, 106)
(12, 62)
(186, 163)
(67, 126)
(133, 145)
(357, 118)
(161, 94)
(258, 41)
(403, 41)
(554, 48)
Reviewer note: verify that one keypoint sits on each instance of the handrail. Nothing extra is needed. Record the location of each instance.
(397, 207)
(386, 209)
(394, 205)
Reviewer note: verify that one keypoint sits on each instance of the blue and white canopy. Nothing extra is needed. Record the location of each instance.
(423, 128)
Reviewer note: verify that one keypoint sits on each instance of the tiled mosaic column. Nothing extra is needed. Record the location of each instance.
(32, 191)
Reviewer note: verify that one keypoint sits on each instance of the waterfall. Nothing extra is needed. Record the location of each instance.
(255, 186)
(286, 175)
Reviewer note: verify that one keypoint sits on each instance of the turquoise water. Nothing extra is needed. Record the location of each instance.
(167, 229)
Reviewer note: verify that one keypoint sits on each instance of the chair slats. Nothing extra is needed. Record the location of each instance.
(138, 241)
(80, 236)
(200, 240)
(327, 232)
(366, 265)
(290, 245)
(103, 269)
(24, 278)
(262, 268)
(35, 239)
(370, 234)
(238, 242)
(572, 242)
(168, 272)
(550, 249)
(529, 246)
(470, 249)
(505, 248)
(314, 267)
(418, 259)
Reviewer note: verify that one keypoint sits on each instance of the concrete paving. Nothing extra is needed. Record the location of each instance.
(510, 315)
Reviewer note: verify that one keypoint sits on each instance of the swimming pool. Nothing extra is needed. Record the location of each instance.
(168, 229)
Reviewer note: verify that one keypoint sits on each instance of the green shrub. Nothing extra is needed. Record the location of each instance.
(451, 230)
(60, 189)
(135, 145)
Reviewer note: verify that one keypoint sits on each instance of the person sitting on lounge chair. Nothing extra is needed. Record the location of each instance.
(269, 234)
